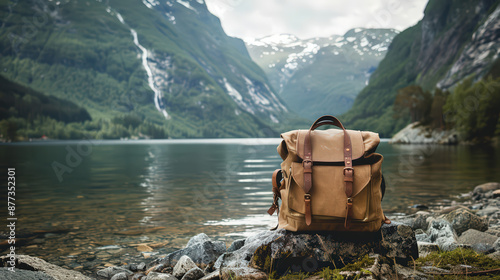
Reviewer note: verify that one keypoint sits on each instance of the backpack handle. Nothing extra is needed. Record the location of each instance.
(325, 120)
(307, 164)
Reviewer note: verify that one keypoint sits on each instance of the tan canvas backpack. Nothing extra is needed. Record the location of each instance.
(329, 180)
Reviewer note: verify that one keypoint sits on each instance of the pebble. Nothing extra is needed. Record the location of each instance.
(144, 248)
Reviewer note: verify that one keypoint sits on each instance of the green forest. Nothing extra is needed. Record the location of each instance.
(471, 108)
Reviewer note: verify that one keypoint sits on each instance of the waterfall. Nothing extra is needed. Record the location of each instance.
(158, 96)
(158, 100)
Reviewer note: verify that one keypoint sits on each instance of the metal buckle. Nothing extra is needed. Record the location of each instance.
(307, 196)
(349, 168)
(307, 165)
(349, 200)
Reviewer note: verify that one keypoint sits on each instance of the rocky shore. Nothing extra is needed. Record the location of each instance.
(415, 133)
(461, 240)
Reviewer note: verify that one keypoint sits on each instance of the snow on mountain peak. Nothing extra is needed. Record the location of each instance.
(150, 3)
(273, 40)
(186, 4)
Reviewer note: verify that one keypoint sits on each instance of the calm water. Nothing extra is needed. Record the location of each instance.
(129, 192)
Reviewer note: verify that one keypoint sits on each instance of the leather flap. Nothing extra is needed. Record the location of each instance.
(328, 145)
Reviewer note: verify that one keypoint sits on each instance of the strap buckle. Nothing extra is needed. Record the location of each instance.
(349, 168)
(307, 165)
(307, 196)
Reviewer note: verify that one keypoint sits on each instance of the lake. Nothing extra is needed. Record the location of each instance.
(108, 196)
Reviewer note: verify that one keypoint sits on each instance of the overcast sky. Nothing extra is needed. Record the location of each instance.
(312, 18)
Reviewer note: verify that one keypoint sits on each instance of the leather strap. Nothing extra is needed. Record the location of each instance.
(277, 177)
(307, 203)
(307, 163)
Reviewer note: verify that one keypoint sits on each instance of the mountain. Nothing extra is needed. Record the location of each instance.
(167, 64)
(321, 76)
(455, 39)
(21, 105)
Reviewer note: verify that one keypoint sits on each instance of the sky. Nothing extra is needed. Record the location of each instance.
(249, 19)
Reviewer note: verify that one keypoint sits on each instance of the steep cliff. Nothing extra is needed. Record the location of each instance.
(424, 54)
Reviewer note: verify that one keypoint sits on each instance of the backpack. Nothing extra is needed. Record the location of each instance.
(330, 180)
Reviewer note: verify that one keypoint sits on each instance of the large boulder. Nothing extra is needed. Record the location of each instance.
(480, 191)
(20, 274)
(462, 219)
(200, 248)
(486, 187)
(25, 262)
(283, 251)
(481, 242)
(238, 261)
(441, 232)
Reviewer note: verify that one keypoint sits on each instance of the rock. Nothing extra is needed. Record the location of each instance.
(242, 256)
(441, 232)
(109, 272)
(182, 266)
(144, 248)
(434, 270)
(419, 206)
(159, 276)
(492, 186)
(311, 252)
(24, 262)
(496, 245)
(249, 273)
(425, 248)
(416, 221)
(421, 220)
(132, 267)
(120, 276)
(399, 242)
(496, 193)
(493, 232)
(495, 255)
(479, 241)
(198, 239)
(200, 249)
(211, 276)
(415, 133)
(236, 245)
(384, 268)
(20, 274)
(488, 210)
(476, 206)
(139, 276)
(193, 274)
(462, 220)
(141, 266)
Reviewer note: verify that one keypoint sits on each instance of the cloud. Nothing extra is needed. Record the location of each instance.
(312, 18)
